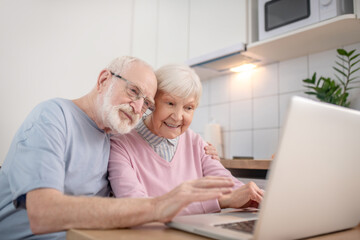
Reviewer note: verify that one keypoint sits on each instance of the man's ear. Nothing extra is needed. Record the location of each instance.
(103, 79)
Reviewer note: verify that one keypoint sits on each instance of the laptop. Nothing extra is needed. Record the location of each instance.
(313, 184)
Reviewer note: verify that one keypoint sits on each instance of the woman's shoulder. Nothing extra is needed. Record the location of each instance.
(128, 138)
(190, 135)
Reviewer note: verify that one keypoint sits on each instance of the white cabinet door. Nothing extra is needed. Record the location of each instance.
(173, 32)
(216, 24)
(145, 30)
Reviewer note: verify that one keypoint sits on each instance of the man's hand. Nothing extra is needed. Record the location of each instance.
(248, 195)
(211, 150)
(168, 205)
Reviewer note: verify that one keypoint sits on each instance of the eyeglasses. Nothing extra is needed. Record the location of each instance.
(135, 94)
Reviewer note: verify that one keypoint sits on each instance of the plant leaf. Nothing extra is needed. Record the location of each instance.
(335, 91)
(339, 71)
(338, 91)
(312, 87)
(342, 59)
(308, 80)
(352, 79)
(353, 87)
(354, 71)
(342, 52)
(340, 80)
(350, 53)
(341, 65)
(355, 63)
(353, 57)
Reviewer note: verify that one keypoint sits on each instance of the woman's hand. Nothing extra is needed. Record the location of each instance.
(206, 188)
(248, 195)
(211, 150)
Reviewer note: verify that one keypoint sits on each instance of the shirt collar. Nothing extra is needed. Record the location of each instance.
(151, 138)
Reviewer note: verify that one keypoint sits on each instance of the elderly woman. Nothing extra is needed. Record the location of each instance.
(162, 152)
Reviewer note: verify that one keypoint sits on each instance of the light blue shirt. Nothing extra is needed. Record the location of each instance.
(164, 147)
(58, 146)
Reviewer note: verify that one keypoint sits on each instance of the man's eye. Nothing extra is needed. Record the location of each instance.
(134, 90)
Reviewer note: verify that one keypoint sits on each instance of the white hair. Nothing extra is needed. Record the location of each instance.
(121, 64)
(179, 80)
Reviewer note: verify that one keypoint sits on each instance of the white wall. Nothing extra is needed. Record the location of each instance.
(55, 49)
(251, 108)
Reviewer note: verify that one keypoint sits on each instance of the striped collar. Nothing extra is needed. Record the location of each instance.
(153, 139)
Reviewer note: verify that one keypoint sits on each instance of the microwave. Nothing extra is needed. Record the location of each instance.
(281, 16)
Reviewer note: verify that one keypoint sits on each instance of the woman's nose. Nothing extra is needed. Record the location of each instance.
(178, 114)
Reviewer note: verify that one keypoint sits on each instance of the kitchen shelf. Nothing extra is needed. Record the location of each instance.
(246, 164)
(250, 169)
(330, 34)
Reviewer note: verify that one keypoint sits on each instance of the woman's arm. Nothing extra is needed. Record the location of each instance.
(248, 195)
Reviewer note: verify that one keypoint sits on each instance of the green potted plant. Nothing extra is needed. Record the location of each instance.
(332, 91)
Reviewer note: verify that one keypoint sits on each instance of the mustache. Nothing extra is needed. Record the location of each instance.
(128, 109)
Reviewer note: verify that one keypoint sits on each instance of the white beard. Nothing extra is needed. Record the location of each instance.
(111, 117)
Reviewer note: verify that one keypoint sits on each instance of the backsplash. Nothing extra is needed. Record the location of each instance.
(251, 107)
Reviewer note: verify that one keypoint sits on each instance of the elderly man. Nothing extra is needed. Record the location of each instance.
(55, 174)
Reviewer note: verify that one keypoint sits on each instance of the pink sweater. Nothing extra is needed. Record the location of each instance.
(136, 171)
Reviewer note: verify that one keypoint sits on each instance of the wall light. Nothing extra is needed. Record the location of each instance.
(242, 68)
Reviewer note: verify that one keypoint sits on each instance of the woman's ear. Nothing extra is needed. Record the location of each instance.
(103, 79)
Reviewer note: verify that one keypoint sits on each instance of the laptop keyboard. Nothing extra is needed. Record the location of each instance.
(246, 226)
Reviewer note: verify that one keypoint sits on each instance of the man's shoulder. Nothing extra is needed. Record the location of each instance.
(54, 111)
(55, 104)
(58, 106)
(50, 105)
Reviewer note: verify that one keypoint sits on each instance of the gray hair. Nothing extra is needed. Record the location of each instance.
(121, 64)
(179, 80)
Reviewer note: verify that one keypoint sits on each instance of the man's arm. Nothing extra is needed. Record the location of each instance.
(50, 211)
(211, 150)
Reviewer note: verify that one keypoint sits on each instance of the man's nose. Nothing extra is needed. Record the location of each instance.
(137, 105)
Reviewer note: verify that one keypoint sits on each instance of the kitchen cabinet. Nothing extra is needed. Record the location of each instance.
(144, 36)
(160, 34)
(326, 35)
(333, 33)
(216, 24)
(173, 32)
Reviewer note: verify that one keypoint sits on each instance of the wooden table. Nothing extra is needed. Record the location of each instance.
(246, 164)
(159, 231)
(149, 231)
(243, 168)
